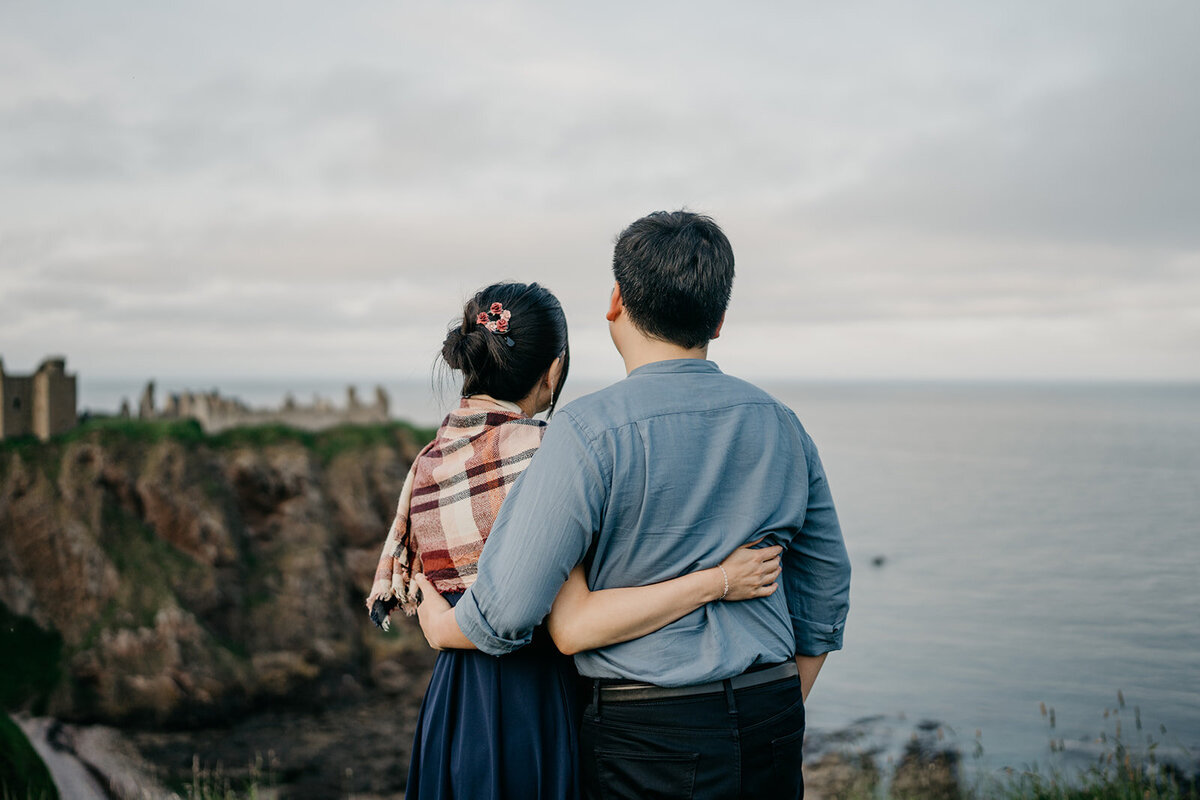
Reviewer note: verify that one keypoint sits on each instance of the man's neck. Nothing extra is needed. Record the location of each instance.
(645, 351)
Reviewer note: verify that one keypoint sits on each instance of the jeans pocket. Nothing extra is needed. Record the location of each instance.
(646, 776)
(787, 755)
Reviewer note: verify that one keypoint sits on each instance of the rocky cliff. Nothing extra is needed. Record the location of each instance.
(153, 576)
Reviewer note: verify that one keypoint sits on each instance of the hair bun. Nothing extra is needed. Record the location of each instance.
(467, 348)
(451, 348)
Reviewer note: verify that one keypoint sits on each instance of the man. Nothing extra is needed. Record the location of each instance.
(663, 473)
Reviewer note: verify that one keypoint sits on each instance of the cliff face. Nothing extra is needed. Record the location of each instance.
(189, 578)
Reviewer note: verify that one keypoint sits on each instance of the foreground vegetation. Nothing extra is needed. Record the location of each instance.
(1127, 763)
(1127, 768)
(23, 774)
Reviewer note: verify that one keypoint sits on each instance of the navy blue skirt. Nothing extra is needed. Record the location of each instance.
(498, 728)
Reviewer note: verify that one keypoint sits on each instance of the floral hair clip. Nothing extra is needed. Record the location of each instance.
(495, 319)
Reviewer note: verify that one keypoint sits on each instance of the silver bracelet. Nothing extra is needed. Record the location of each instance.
(726, 574)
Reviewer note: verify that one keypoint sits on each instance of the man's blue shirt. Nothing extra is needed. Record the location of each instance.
(659, 475)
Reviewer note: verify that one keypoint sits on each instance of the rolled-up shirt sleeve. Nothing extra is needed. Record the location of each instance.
(816, 568)
(543, 530)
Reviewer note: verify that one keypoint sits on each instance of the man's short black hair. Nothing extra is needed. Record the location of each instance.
(675, 270)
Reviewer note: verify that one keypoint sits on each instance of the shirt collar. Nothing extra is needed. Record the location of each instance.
(676, 365)
(484, 402)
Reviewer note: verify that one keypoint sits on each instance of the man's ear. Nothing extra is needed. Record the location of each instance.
(717, 333)
(615, 306)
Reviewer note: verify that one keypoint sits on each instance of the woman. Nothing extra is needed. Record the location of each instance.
(506, 727)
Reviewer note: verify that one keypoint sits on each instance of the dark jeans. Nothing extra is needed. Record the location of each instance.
(740, 744)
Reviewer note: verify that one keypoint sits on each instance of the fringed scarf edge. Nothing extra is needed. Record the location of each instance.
(393, 575)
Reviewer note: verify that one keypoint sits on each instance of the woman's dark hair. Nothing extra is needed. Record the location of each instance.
(506, 364)
(675, 270)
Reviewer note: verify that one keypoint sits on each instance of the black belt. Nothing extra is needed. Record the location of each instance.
(629, 692)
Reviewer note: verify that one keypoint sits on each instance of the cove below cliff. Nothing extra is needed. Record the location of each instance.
(347, 750)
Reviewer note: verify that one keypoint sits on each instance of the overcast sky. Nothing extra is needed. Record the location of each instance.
(913, 190)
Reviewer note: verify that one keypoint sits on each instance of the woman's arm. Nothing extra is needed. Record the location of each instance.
(437, 619)
(584, 620)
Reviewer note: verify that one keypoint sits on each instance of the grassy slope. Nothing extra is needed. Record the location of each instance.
(23, 775)
(325, 444)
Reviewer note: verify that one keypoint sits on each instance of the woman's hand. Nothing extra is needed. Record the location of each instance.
(430, 611)
(752, 571)
(584, 620)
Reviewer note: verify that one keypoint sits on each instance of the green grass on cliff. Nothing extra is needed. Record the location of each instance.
(23, 774)
(324, 444)
(135, 550)
(121, 434)
(112, 433)
(115, 429)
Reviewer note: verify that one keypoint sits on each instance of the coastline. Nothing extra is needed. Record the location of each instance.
(99, 762)
(349, 749)
(207, 529)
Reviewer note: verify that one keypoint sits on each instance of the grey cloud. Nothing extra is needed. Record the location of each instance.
(830, 278)
(56, 140)
(1109, 161)
(352, 175)
(42, 299)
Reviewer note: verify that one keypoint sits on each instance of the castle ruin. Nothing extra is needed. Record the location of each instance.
(44, 404)
(217, 413)
(41, 404)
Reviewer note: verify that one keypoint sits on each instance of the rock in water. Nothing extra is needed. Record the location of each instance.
(926, 773)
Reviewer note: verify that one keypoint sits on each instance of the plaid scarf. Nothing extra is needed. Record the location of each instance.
(450, 500)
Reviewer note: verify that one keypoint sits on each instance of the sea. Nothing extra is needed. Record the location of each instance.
(1026, 558)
